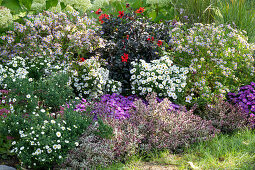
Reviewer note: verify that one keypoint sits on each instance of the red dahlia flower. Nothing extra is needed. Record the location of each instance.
(127, 37)
(159, 43)
(121, 14)
(101, 17)
(124, 58)
(140, 10)
(82, 59)
(99, 11)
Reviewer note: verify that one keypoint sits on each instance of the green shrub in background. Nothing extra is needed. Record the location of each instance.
(240, 13)
(198, 11)
(219, 58)
(5, 17)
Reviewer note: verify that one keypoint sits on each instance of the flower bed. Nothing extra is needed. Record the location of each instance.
(80, 93)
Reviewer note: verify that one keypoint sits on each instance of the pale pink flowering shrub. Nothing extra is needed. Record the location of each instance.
(164, 128)
(225, 116)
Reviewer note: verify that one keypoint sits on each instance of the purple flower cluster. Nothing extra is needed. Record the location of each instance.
(113, 105)
(245, 97)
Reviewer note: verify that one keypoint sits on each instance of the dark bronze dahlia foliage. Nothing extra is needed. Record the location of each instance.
(130, 36)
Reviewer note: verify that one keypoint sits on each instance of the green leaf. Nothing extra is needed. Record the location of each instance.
(51, 3)
(13, 5)
(153, 15)
(1, 2)
(63, 6)
(26, 3)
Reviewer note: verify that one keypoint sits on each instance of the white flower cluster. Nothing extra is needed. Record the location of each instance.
(160, 76)
(19, 68)
(91, 79)
(14, 69)
(33, 141)
(5, 17)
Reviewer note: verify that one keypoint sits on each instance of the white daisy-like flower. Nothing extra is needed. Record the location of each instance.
(53, 121)
(28, 96)
(49, 150)
(188, 99)
(58, 134)
(55, 146)
(76, 144)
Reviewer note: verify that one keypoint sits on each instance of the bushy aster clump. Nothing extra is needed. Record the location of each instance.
(160, 76)
(58, 36)
(4, 104)
(164, 128)
(219, 58)
(90, 79)
(245, 97)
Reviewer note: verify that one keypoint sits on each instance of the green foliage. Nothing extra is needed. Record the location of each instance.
(223, 152)
(26, 3)
(104, 130)
(13, 5)
(54, 91)
(51, 3)
(5, 143)
(240, 13)
(198, 11)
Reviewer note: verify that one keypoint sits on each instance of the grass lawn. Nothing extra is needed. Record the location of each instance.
(236, 151)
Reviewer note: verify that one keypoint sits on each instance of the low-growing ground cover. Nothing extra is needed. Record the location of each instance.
(92, 91)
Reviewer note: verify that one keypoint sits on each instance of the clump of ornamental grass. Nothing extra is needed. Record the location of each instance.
(164, 128)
